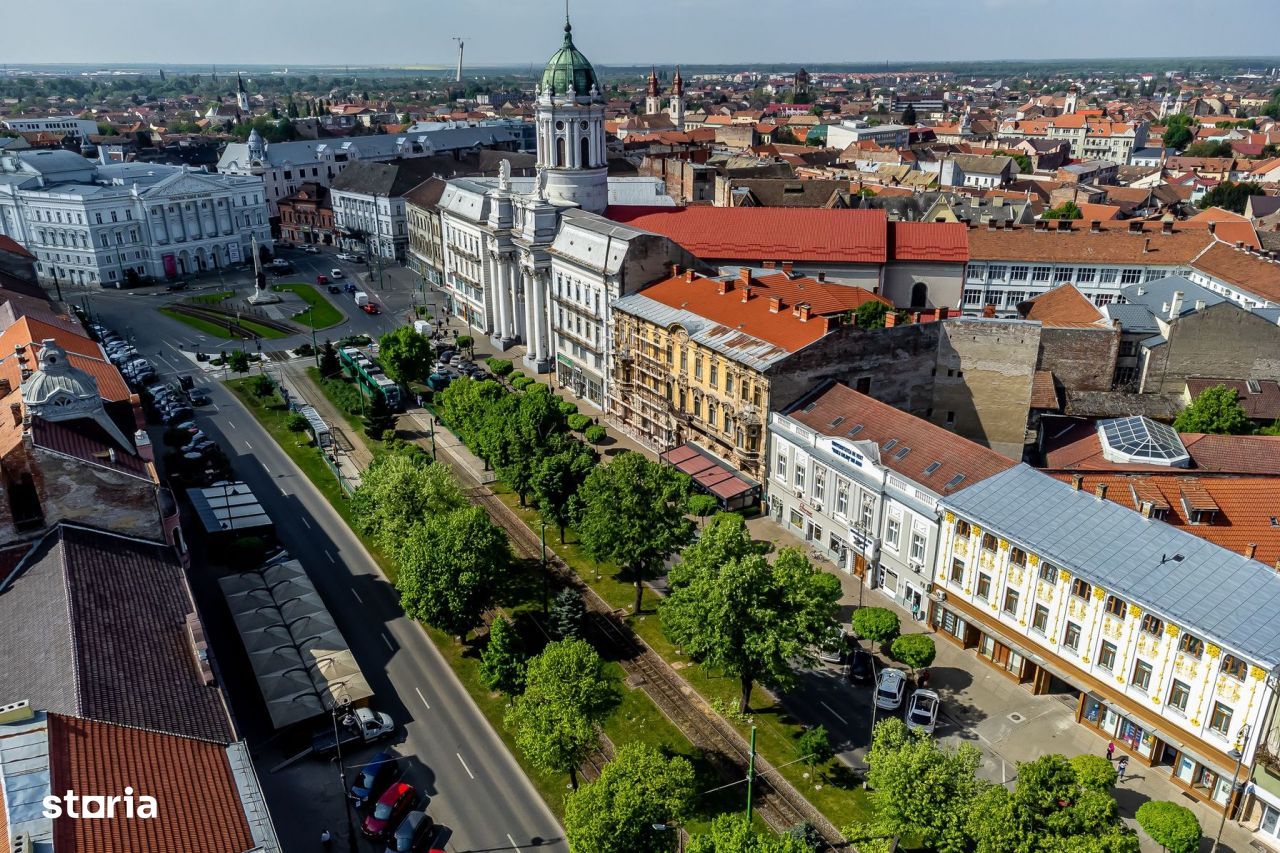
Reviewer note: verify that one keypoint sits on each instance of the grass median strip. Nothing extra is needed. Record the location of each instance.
(636, 718)
(322, 313)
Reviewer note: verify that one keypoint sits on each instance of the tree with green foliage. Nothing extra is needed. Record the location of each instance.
(397, 492)
(1025, 165)
(1094, 772)
(525, 437)
(379, 419)
(877, 624)
(556, 720)
(556, 482)
(752, 618)
(1215, 410)
(499, 366)
(922, 789)
(466, 343)
(329, 364)
(450, 567)
(724, 539)
(702, 505)
(1229, 195)
(915, 650)
(502, 662)
(238, 360)
(815, 746)
(297, 422)
(578, 422)
(871, 314)
(732, 833)
(1172, 826)
(260, 385)
(1066, 210)
(568, 616)
(1209, 148)
(909, 117)
(633, 515)
(1177, 131)
(637, 792)
(595, 434)
(405, 355)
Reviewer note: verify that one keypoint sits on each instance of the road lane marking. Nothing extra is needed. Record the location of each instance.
(357, 595)
(330, 556)
(232, 424)
(473, 776)
(303, 519)
(833, 712)
(248, 445)
(264, 465)
(513, 843)
(420, 696)
(386, 640)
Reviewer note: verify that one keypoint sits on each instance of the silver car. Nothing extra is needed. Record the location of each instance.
(922, 711)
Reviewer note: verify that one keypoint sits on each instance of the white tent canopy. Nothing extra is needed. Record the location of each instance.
(299, 656)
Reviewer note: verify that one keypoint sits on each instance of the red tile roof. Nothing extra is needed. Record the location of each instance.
(1114, 244)
(839, 411)
(1077, 449)
(1261, 406)
(929, 241)
(1063, 305)
(8, 244)
(767, 234)
(198, 806)
(1243, 269)
(1246, 506)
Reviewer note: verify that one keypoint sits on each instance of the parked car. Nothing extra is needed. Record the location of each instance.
(834, 648)
(279, 264)
(335, 273)
(890, 689)
(311, 250)
(201, 447)
(395, 802)
(178, 414)
(860, 666)
(346, 256)
(334, 288)
(413, 835)
(177, 285)
(200, 396)
(922, 711)
(373, 779)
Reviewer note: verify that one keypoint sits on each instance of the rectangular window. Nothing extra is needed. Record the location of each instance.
(1018, 273)
(697, 368)
(780, 470)
(1011, 601)
(1071, 638)
(1107, 656)
(799, 481)
(1047, 573)
(684, 360)
(1152, 625)
(1040, 619)
(998, 272)
(797, 520)
(962, 529)
(1179, 693)
(1018, 557)
(917, 548)
(728, 383)
(994, 297)
(1108, 276)
(892, 533)
(1116, 606)
(1220, 720)
(867, 522)
(1040, 274)
(1130, 276)
(1141, 675)
(1062, 275)
(819, 484)
(1080, 589)
(957, 572)
(973, 296)
(842, 498)
(984, 586)
(1234, 667)
(988, 542)
(1086, 275)
(715, 375)
(1191, 645)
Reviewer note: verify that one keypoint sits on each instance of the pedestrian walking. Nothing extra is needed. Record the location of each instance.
(1111, 750)
(1122, 766)
(924, 678)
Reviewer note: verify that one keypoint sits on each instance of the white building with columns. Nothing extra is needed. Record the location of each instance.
(498, 233)
(112, 223)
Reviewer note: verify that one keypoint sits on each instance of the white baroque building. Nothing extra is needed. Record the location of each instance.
(498, 233)
(109, 223)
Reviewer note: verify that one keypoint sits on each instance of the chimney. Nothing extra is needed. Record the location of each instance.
(16, 409)
(1095, 226)
(1175, 307)
(6, 388)
(1251, 550)
(746, 292)
(890, 320)
(1200, 304)
(1064, 224)
(775, 304)
(991, 225)
(944, 312)
(988, 310)
(769, 265)
(688, 275)
(822, 276)
(1077, 480)
(1147, 508)
(744, 275)
(828, 323)
(143, 442)
(723, 287)
(675, 270)
(1100, 491)
(1142, 291)
(1042, 225)
(1146, 246)
(1166, 227)
(1135, 226)
(787, 267)
(1213, 227)
(802, 311)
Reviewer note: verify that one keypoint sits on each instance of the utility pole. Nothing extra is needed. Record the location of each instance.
(751, 773)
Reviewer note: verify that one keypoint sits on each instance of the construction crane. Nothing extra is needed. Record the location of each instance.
(461, 40)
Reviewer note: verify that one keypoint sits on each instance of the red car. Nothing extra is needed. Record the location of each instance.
(393, 805)
(322, 279)
(369, 308)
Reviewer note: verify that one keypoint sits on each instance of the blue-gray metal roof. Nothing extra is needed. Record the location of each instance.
(1133, 318)
(1158, 294)
(732, 343)
(1212, 592)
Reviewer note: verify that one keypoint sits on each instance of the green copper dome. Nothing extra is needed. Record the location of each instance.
(568, 71)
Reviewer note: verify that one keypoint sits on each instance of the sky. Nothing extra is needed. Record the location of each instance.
(615, 32)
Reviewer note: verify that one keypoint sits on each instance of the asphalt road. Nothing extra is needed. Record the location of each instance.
(451, 753)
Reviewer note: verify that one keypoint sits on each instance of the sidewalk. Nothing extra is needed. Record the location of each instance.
(1004, 720)
(351, 456)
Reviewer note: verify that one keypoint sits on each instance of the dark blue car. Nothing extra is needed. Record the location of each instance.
(374, 778)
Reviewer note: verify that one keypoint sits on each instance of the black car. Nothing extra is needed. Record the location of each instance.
(177, 285)
(860, 667)
(178, 414)
(373, 779)
(335, 288)
(199, 396)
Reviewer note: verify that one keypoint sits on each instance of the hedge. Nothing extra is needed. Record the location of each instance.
(567, 408)
(578, 423)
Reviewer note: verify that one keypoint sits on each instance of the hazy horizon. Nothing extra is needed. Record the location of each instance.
(393, 33)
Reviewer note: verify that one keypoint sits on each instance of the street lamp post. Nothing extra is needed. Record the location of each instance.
(672, 827)
(342, 778)
(1238, 755)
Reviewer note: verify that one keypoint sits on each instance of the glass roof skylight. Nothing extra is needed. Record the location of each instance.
(1141, 440)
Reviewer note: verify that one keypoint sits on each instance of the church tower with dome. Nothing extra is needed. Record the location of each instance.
(569, 116)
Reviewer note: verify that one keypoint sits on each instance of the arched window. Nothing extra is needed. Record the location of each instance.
(919, 295)
(585, 160)
(560, 152)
